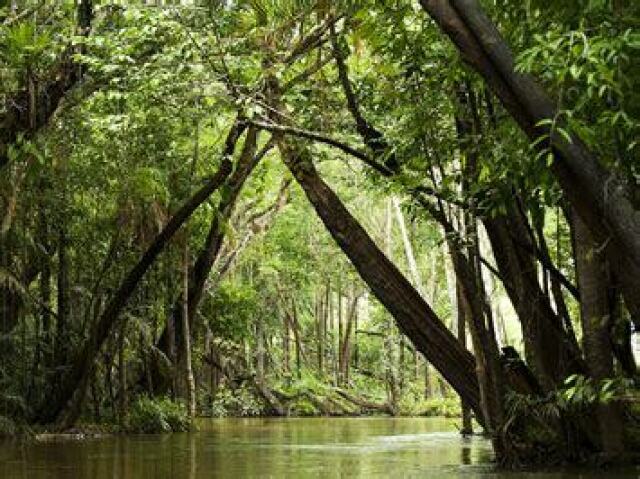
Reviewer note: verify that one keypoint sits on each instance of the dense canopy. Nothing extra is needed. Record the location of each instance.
(308, 207)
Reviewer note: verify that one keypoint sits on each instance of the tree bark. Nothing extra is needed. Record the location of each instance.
(62, 319)
(122, 375)
(345, 346)
(467, 426)
(549, 348)
(592, 275)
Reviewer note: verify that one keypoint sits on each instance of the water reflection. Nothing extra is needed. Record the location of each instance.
(315, 447)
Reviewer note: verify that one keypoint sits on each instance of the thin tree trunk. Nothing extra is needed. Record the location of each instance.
(320, 330)
(122, 375)
(259, 355)
(189, 381)
(338, 347)
(345, 347)
(286, 346)
(467, 426)
(414, 272)
(325, 324)
(62, 320)
(300, 356)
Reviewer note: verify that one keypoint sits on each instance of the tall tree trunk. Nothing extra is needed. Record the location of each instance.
(549, 348)
(338, 347)
(286, 346)
(467, 426)
(592, 272)
(171, 345)
(325, 325)
(62, 320)
(320, 329)
(297, 334)
(414, 272)
(260, 351)
(345, 346)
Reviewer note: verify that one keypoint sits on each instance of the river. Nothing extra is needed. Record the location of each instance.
(293, 447)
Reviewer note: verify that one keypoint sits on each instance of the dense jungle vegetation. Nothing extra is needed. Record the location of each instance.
(304, 207)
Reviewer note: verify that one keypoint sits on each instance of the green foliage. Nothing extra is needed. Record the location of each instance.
(413, 404)
(22, 45)
(238, 402)
(591, 67)
(581, 392)
(235, 306)
(150, 416)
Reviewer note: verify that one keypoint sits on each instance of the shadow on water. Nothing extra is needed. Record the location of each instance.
(295, 447)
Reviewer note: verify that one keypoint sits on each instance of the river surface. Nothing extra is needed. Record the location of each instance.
(295, 448)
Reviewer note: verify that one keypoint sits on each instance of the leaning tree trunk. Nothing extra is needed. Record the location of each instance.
(600, 198)
(413, 315)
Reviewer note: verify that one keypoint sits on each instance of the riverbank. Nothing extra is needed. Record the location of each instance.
(162, 415)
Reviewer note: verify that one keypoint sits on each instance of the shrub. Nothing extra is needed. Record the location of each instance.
(150, 415)
(304, 407)
(239, 402)
(442, 407)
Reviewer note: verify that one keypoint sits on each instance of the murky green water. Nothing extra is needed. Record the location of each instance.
(296, 448)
